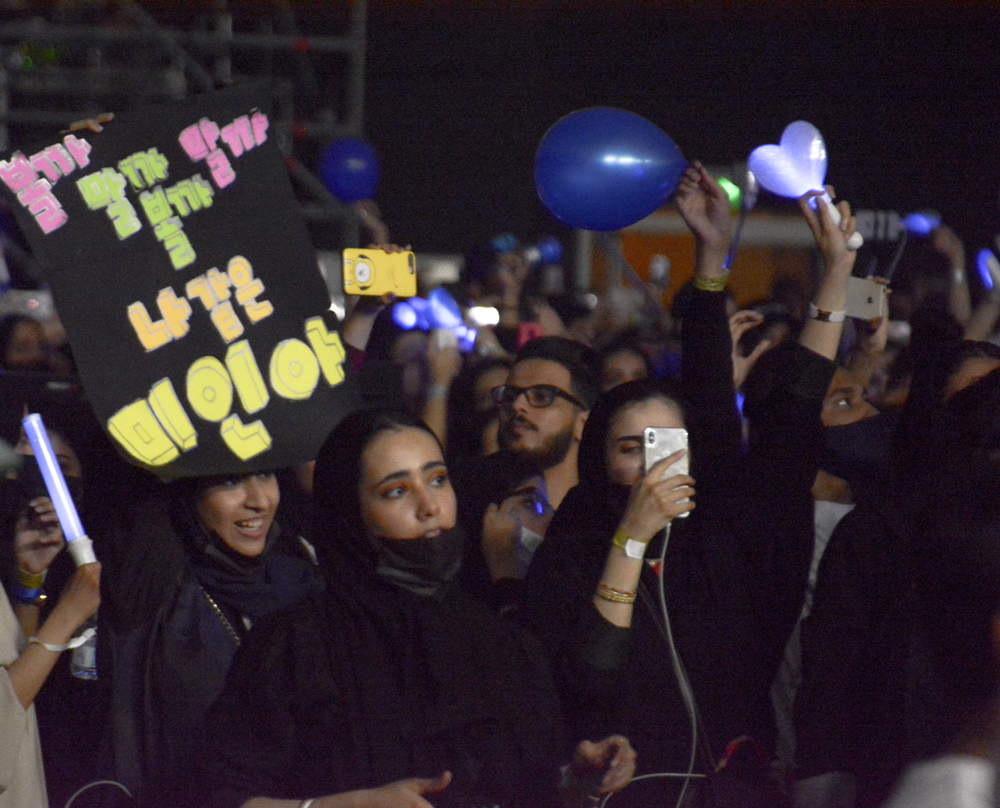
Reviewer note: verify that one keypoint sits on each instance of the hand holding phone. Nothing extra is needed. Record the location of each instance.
(661, 442)
(376, 272)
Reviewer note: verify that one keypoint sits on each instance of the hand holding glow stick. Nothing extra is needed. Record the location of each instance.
(796, 166)
(80, 546)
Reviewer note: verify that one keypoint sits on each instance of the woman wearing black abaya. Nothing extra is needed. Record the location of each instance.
(393, 683)
(199, 565)
(735, 569)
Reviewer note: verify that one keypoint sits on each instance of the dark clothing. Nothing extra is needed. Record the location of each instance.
(367, 684)
(735, 570)
(171, 620)
(851, 706)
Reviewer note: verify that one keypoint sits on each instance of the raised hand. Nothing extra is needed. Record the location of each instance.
(705, 208)
(38, 538)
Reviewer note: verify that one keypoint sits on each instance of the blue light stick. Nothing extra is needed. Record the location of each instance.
(80, 546)
(989, 269)
(921, 223)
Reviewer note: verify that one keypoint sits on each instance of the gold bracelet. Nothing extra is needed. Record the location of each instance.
(605, 592)
(714, 284)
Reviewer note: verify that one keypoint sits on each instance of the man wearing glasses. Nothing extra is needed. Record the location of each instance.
(544, 405)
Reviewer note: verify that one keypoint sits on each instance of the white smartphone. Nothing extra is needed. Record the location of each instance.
(659, 442)
(865, 299)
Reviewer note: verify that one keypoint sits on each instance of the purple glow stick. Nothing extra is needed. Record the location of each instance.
(80, 546)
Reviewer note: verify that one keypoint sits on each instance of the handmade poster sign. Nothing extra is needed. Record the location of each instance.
(187, 284)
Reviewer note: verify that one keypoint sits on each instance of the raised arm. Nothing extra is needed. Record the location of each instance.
(821, 333)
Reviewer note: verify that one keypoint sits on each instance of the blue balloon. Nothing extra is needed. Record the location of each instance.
(604, 168)
(349, 169)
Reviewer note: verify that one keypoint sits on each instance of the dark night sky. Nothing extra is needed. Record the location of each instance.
(459, 95)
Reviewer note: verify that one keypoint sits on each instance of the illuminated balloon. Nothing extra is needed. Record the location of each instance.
(604, 169)
(349, 169)
(795, 166)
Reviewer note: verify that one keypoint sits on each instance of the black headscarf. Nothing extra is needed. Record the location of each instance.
(246, 586)
(426, 683)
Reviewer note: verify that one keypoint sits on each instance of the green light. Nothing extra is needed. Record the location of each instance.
(733, 192)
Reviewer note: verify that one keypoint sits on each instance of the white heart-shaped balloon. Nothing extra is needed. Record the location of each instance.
(793, 167)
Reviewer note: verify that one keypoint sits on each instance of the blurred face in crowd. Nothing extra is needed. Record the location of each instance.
(543, 433)
(241, 511)
(494, 377)
(969, 372)
(621, 367)
(68, 462)
(28, 348)
(845, 401)
(404, 490)
(623, 450)
(530, 505)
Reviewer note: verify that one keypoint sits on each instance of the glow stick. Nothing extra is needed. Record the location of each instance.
(80, 546)
(989, 269)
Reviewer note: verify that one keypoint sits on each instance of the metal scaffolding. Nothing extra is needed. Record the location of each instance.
(71, 60)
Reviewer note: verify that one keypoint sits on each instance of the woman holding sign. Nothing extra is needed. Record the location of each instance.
(205, 560)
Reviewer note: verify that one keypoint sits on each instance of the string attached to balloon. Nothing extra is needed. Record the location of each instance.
(750, 190)
(795, 166)
(78, 543)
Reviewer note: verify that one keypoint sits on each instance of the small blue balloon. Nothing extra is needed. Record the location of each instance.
(604, 168)
(349, 170)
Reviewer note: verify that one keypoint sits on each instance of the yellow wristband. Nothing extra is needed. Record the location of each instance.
(30, 580)
(633, 548)
(716, 284)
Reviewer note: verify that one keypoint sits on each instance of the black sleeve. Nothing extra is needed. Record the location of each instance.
(713, 422)
(272, 725)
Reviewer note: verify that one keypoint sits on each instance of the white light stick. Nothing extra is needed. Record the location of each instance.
(80, 546)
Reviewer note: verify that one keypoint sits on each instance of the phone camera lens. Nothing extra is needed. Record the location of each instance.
(362, 272)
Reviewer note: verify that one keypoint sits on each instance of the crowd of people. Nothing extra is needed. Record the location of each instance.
(479, 593)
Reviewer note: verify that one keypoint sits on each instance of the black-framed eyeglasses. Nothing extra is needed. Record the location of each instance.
(538, 395)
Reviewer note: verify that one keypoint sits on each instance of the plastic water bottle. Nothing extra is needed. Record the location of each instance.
(83, 663)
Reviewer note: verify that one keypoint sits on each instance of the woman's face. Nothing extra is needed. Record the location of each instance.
(623, 450)
(241, 511)
(404, 489)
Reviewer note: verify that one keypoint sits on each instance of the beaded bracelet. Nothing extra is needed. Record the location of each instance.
(605, 592)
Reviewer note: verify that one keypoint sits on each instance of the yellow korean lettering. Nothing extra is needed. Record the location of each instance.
(294, 370)
(245, 440)
(151, 335)
(226, 322)
(209, 389)
(247, 378)
(136, 429)
(170, 413)
(176, 312)
(328, 348)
